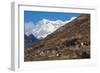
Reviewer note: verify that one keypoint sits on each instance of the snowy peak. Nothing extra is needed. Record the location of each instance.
(44, 21)
(45, 27)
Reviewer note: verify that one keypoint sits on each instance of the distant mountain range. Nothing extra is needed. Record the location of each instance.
(70, 41)
(45, 27)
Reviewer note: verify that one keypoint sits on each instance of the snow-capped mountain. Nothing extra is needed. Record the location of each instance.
(45, 27)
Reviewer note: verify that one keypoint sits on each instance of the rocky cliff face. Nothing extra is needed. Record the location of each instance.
(71, 41)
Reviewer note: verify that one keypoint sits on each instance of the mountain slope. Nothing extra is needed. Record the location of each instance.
(29, 40)
(71, 41)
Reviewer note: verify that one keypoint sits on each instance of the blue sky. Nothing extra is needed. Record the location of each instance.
(35, 16)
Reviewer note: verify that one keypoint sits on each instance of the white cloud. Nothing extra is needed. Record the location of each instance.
(28, 28)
